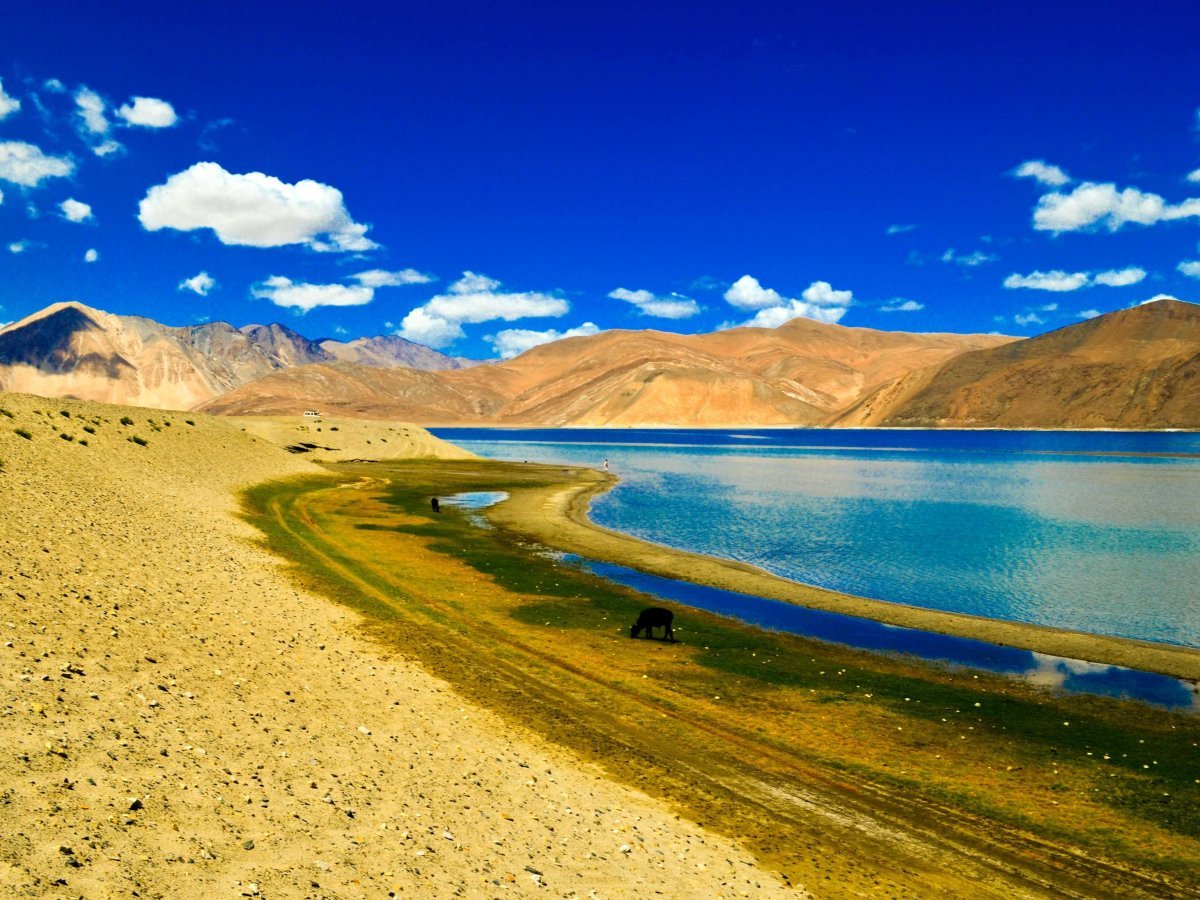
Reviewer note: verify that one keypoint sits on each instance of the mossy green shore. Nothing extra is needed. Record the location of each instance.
(882, 773)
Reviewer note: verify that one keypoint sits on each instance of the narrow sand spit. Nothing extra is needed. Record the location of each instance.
(557, 516)
(177, 719)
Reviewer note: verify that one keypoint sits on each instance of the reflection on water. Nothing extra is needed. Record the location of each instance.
(1033, 527)
(1070, 675)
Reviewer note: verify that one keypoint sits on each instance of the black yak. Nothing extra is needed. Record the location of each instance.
(654, 617)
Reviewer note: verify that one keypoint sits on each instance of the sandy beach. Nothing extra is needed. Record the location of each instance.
(557, 516)
(178, 719)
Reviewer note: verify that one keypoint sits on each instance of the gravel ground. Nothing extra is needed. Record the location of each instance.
(177, 719)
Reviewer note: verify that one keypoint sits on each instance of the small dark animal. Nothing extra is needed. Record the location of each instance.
(437, 507)
(654, 617)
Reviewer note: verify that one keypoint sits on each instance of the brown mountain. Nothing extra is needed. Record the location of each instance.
(1134, 368)
(70, 350)
(801, 373)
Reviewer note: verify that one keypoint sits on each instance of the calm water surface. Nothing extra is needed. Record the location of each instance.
(1095, 532)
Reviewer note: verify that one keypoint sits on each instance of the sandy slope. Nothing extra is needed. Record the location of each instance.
(176, 719)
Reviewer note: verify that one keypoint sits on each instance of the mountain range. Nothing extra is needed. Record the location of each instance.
(71, 350)
(1134, 368)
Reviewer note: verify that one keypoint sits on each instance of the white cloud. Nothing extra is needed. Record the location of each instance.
(819, 301)
(1028, 319)
(376, 278)
(304, 297)
(90, 107)
(1093, 204)
(1156, 298)
(1058, 280)
(92, 255)
(19, 246)
(901, 305)
(75, 210)
(1193, 176)
(673, 306)
(26, 165)
(54, 86)
(429, 330)
(514, 341)
(1043, 172)
(1, 198)
(1119, 277)
(821, 293)
(971, 260)
(1088, 313)
(746, 293)
(149, 112)
(201, 284)
(8, 105)
(898, 229)
(107, 148)
(253, 210)
(1190, 267)
(474, 298)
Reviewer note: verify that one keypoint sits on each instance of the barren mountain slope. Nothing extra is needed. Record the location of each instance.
(797, 374)
(357, 391)
(1134, 368)
(70, 350)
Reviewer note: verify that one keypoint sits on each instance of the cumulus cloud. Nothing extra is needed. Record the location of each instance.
(1088, 313)
(18, 247)
(429, 330)
(1193, 176)
(8, 105)
(1119, 277)
(1031, 318)
(303, 297)
(90, 107)
(148, 112)
(818, 301)
(747, 294)
(1158, 297)
(75, 210)
(1093, 205)
(474, 298)
(92, 255)
(253, 210)
(514, 341)
(899, 304)
(1, 198)
(673, 306)
(892, 230)
(201, 284)
(106, 148)
(1058, 280)
(971, 260)
(375, 278)
(28, 166)
(1190, 268)
(1042, 172)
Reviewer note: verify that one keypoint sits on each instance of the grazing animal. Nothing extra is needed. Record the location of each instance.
(437, 507)
(654, 617)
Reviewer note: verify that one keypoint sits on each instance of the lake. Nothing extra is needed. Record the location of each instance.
(1091, 531)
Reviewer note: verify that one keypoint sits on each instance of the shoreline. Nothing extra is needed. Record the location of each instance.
(558, 517)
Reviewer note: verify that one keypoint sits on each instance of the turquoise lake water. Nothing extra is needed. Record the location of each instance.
(1096, 532)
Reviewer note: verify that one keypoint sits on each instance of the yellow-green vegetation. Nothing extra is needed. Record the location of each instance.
(776, 739)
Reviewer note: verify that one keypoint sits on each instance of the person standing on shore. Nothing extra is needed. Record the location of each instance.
(606, 465)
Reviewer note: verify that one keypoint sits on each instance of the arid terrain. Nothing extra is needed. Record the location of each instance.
(179, 719)
(1134, 368)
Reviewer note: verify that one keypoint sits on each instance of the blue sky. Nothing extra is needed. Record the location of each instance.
(484, 176)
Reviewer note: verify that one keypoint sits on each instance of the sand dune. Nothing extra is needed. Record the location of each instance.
(179, 719)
